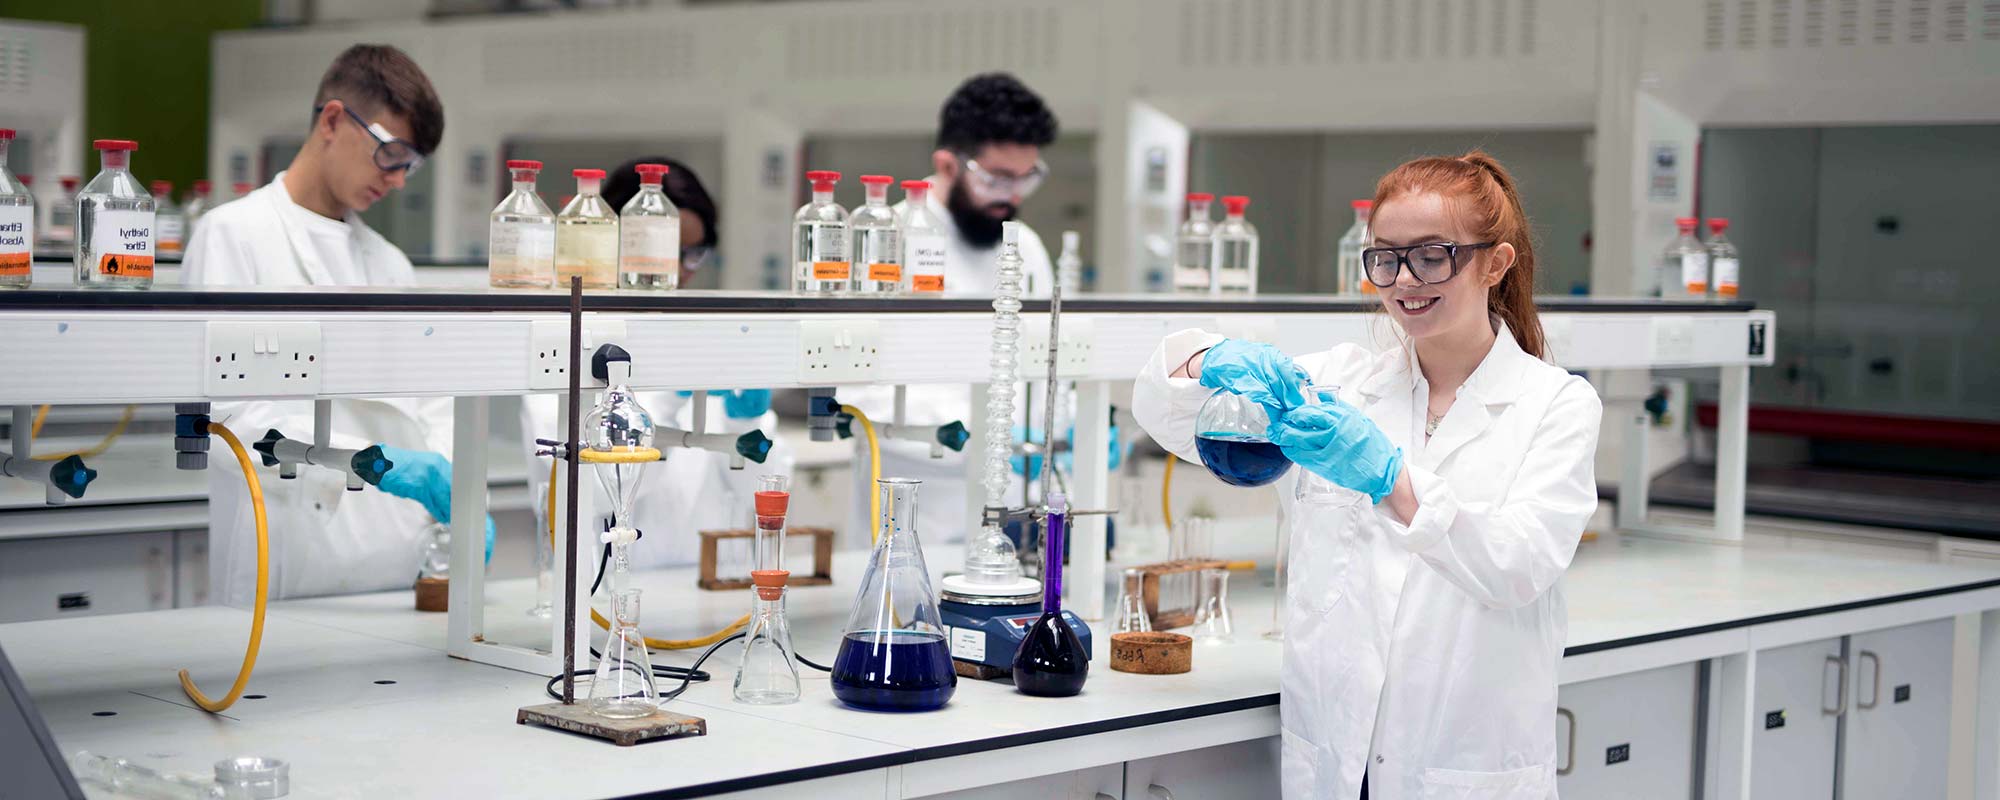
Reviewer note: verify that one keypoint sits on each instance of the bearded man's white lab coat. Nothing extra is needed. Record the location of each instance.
(1425, 654)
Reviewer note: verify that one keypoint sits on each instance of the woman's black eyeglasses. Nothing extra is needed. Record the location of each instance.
(1435, 262)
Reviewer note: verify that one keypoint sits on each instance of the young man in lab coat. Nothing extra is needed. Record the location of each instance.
(988, 161)
(373, 121)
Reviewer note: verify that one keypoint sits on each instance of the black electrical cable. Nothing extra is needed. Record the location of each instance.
(809, 662)
(688, 675)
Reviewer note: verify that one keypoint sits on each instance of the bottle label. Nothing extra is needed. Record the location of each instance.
(172, 235)
(892, 273)
(1694, 272)
(649, 245)
(968, 644)
(1191, 279)
(1233, 279)
(17, 228)
(521, 252)
(829, 243)
(924, 255)
(1727, 272)
(830, 270)
(123, 242)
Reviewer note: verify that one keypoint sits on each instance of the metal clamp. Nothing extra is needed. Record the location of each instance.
(1840, 709)
(1570, 759)
(1875, 696)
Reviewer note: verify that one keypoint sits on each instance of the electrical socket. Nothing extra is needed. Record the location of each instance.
(838, 351)
(1078, 347)
(548, 351)
(262, 359)
(1673, 338)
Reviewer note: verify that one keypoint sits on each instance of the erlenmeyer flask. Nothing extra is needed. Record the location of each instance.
(767, 676)
(893, 656)
(623, 686)
(1230, 436)
(1212, 622)
(1132, 617)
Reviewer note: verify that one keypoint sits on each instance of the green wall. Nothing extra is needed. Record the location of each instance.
(147, 64)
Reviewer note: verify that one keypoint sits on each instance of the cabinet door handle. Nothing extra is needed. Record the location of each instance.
(1875, 694)
(1158, 791)
(1569, 760)
(1840, 684)
(1103, 796)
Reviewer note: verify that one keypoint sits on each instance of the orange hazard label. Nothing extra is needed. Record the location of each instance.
(14, 263)
(125, 265)
(885, 272)
(832, 270)
(927, 283)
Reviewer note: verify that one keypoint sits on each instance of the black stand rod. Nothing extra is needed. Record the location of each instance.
(575, 431)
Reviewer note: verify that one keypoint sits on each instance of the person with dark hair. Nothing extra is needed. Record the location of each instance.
(699, 231)
(374, 119)
(988, 160)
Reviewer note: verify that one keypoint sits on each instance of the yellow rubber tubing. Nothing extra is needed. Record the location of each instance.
(263, 582)
(118, 430)
(874, 472)
(1167, 492)
(41, 415)
(656, 644)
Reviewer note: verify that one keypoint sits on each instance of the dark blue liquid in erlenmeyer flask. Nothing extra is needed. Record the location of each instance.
(894, 671)
(1240, 460)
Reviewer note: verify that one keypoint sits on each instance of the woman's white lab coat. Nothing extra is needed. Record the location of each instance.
(1425, 654)
(324, 539)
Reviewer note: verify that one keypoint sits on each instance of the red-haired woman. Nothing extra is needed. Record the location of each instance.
(1425, 615)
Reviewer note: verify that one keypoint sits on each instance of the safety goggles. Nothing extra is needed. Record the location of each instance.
(1429, 263)
(1000, 185)
(391, 154)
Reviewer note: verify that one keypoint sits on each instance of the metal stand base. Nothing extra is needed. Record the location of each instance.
(575, 718)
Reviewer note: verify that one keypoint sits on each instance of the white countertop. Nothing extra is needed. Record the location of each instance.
(446, 726)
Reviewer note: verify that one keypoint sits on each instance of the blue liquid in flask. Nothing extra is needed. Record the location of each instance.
(894, 671)
(1240, 460)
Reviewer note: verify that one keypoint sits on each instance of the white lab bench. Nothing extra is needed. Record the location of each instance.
(1644, 614)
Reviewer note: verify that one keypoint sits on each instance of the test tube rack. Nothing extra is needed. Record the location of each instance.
(1168, 590)
(711, 541)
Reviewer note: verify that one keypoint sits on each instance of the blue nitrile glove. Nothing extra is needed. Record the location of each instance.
(746, 403)
(1339, 443)
(425, 477)
(1258, 371)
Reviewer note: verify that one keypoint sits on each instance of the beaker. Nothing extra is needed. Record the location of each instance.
(1212, 623)
(893, 656)
(1132, 617)
(1231, 436)
(623, 686)
(766, 676)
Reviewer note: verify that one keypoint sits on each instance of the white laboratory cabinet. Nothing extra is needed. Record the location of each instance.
(1244, 769)
(1628, 735)
(1897, 741)
(1796, 730)
(84, 576)
(1097, 783)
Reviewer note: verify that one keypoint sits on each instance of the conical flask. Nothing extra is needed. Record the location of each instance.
(893, 656)
(623, 686)
(767, 676)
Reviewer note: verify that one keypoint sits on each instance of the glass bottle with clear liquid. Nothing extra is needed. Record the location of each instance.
(17, 224)
(1723, 260)
(170, 222)
(767, 675)
(878, 242)
(893, 655)
(923, 240)
(587, 236)
(1051, 660)
(1194, 255)
(59, 232)
(196, 205)
(1069, 265)
(114, 231)
(1347, 271)
(521, 234)
(1235, 250)
(623, 686)
(1684, 265)
(819, 240)
(649, 235)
